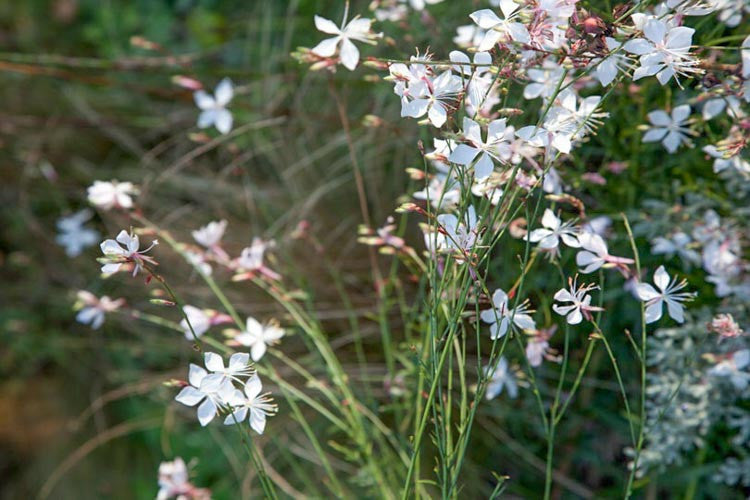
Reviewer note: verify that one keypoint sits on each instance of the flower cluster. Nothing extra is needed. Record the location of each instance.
(234, 390)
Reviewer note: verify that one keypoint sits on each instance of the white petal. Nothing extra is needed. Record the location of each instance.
(206, 118)
(327, 47)
(655, 30)
(661, 278)
(485, 19)
(258, 350)
(257, 421)
(681, 113)
(213, 362)
(660, 118)
(415, 108)
(463, 154)
(349, 54)
(203, 100)
(206, 412)
(654, 135)
(189, 396)
(437, 114)
(638, 46)
(672, 141)
(484, 167)
(253, 387)
(653, 312)
(646, 292)
(224, 92)
(239, 415)
(223, 121)
(239, 361)
(675, 310)
(196, 374)
(575, 317)
(326, 26)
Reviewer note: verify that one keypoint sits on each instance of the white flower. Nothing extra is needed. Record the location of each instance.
(670, 130)
(210, 234)
(595, 254)
(214, 390)
(553, 231)
(258, 406)
(251, 258)
(497, 28)
(500, 377)
(615, 62)
(732, 367)
(460, 234)
(668, 292)
(479, 94)
(665, 52)
(111, 194)
(199, 320)
(238, 366)
(213, 108)
(173, 480)
(126, 248)
(500, 315)
(433, 97)
(92, 310)
(496, 146)
(723, 162)
(73, 235)
(257, 336)
(579, 302)
(357, 29)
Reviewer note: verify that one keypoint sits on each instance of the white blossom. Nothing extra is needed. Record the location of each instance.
(357, 29)
(252, 405)
(668, 292)
(213, 108)
(499, 317)
(500, 378)
(74, 235)
(500, 29)
(665, 52)
(497, 146)
(669, 129)
(111, 194)
(124, 249)
(257, 337)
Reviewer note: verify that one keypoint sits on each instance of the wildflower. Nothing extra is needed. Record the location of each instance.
(553, 231)
(596, 255)
(174, 483)
(500, 315)
(459, 234)
(670, 130)
(257, 405)
(725, 326)
(665, 52)
(615, 62)
(73, 235)
(213, 108)
(125, 249)
(497, 146)
(579, 300)
(111, 194)
(433, 97)
(732, 367)
(357, 29)
(250, 261)
(668, 292)
(537, 347)
(210, 235)
(213, 390)
(238, 366)
(479, 78)
(257, 336)
(497, 28)
(724, 159)
(500, 377)
(92, 309)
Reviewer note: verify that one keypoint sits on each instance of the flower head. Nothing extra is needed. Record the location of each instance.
(665, 51)
(500, 377)
(252, 405)
(92, 309)
(553, 231)
(73, 235)
(576, 302)
(124, 249)
(211, 390)
(501, 316)
(111, 194)
(669, 129)
(257, 337)
(665, 292)
(213, 108)
(356, 29)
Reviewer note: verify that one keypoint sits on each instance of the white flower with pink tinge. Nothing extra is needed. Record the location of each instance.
(595, 255)
(576, 302)
(124, 249)
(666, 291)
(212, 391)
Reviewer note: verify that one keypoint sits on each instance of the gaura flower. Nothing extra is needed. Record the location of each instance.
(213, 108)
(668, 292)
(124, 249)
(500, 315)
(111, 194)
(252, 405)
(257, 337)
(576, 302)
(356, 29)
